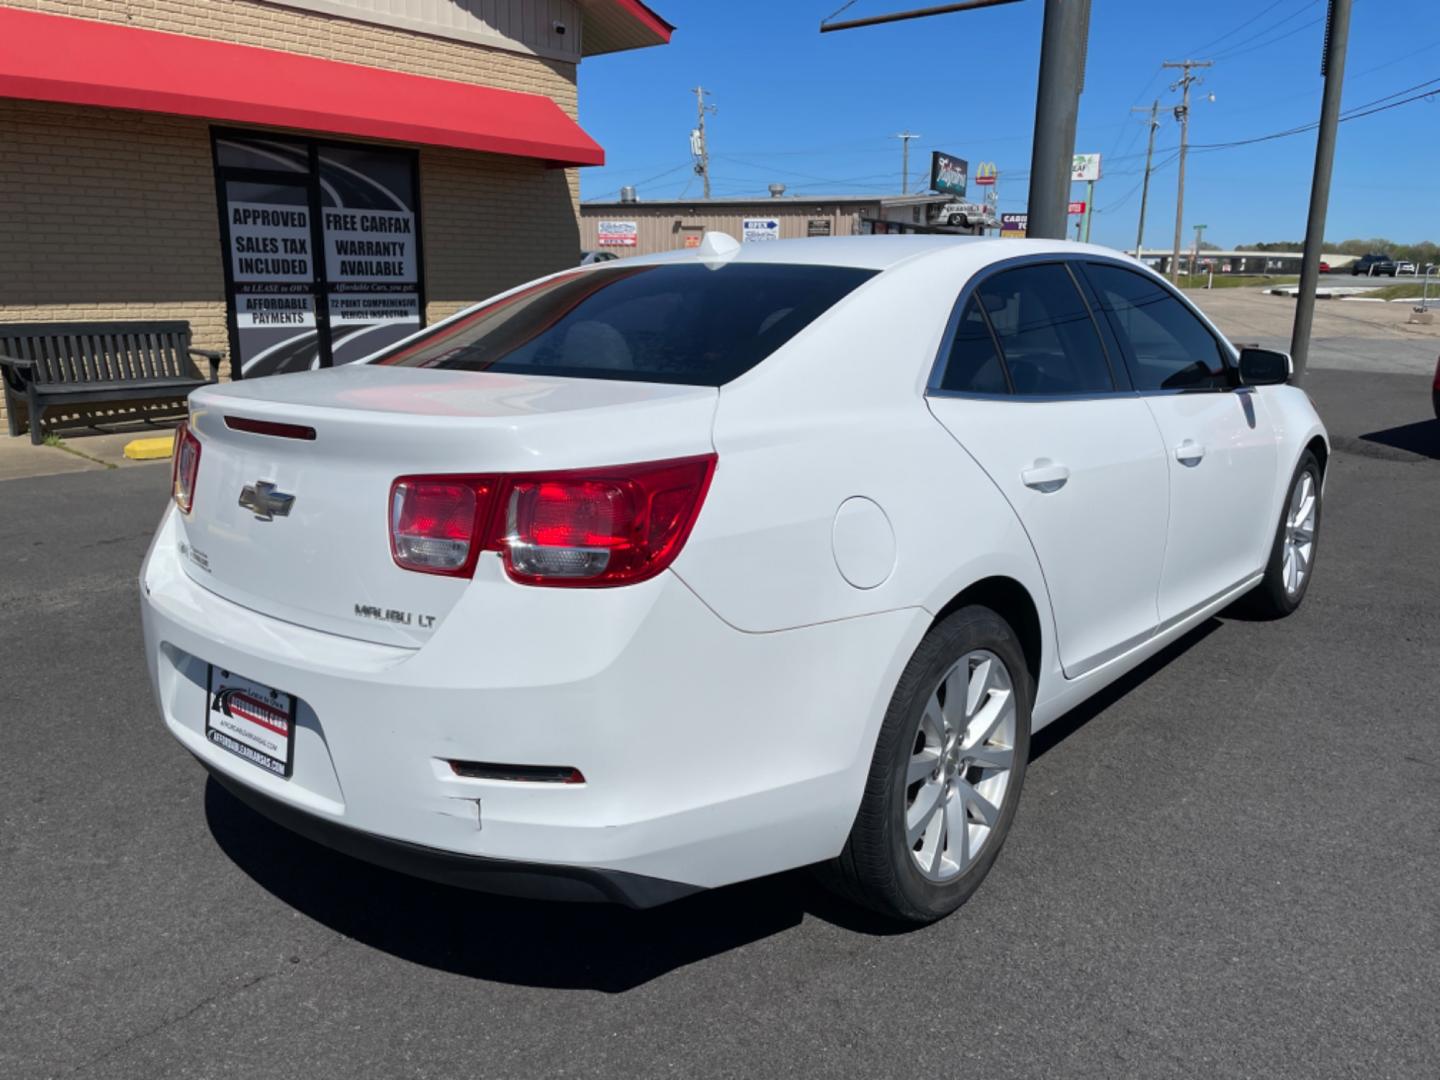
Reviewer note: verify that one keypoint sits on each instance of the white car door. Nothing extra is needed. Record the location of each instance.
(1220, 445)
(1028, 389)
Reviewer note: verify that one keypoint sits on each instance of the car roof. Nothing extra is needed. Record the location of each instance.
(884, 252)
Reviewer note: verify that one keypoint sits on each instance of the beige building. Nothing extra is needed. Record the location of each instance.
(644, 227)
(302, 180)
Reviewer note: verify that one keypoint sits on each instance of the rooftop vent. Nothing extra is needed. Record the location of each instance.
(627, 194)
(777, 190)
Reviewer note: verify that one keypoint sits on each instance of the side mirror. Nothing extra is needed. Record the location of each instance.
(1264, 367)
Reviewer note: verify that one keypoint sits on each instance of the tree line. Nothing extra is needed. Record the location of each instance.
(1426, 251)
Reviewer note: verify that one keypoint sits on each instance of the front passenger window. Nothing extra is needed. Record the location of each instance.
(1170, 348)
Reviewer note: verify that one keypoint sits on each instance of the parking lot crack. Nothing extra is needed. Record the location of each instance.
(212, 999)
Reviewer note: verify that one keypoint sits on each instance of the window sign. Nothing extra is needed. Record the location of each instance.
(761, 229)
(618, 233)
(286, 199)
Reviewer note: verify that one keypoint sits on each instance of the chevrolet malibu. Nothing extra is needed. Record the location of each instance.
(657, 575)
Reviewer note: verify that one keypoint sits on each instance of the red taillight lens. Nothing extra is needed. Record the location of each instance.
(602, 526)
(437, 524)
(591, 527)
(184, 468)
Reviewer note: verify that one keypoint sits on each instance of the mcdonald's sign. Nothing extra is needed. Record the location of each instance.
(986, 173)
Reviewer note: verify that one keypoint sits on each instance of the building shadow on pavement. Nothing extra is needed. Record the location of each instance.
(534, 943)
(1422, 437)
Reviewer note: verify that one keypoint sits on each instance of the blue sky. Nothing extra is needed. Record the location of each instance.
(817, 112)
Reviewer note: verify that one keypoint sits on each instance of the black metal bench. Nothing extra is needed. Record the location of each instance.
(80, 363)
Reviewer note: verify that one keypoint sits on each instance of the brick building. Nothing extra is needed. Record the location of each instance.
(302, 180)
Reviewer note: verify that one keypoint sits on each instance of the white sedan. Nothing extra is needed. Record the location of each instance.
(654, 576)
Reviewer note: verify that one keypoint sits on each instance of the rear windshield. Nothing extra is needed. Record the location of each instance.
(676, 324)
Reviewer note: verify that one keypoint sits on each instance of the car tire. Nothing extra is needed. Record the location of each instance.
(1280, 592)
(975, 653)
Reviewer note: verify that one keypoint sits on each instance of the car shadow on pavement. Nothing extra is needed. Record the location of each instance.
(1422, 437)
(1056, 732)
(523, 942)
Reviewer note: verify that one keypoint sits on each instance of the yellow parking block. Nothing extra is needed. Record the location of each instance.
(161, 446)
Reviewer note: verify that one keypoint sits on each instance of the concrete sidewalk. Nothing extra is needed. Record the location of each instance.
(74, 452)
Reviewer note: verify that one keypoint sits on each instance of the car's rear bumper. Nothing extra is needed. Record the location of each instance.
(504, 876)
(709, 755)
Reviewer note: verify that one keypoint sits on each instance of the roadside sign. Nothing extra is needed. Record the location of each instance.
(618, 233)
(986, 173)
(948, 173)
(1077, 208)
(1085, 167)
(760, 229)
(1013, 226)
(817, 227)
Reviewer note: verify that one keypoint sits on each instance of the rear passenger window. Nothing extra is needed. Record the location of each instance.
(1170, 348)
(1050, 344)
(973, 365)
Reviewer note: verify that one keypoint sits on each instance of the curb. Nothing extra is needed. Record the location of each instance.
(153, 449)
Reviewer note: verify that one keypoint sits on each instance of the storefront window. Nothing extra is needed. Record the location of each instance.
(285, 200)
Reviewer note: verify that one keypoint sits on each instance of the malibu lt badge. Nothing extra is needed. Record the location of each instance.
(262, 500)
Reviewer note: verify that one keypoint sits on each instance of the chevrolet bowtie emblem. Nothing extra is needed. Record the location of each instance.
(262, 500)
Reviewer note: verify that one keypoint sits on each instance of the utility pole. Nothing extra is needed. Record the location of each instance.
(1145, 185)
(905, 137)
(698, 146)
(1195, 248)
(1332, 67)
(1182, 113)
(1057, 101)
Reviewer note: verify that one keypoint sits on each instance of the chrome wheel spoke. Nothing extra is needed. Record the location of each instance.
(990, 757)
(958, 828)
(921, 814)
(922, 765)
(987, 811)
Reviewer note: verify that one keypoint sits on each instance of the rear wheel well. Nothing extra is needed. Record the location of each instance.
(1317, 447)
(1013, 603)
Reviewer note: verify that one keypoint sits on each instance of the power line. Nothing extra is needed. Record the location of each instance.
(1248, 22)
(1354, 113)
(1230, 54)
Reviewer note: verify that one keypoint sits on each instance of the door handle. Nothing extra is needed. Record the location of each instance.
(1189, 452)
(1045, 476)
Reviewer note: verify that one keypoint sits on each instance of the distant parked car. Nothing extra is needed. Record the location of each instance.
(1373, 264)
(1405, 267)
(590, 258)
(1324, 267)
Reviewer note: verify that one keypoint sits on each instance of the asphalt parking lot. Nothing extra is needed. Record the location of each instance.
(1224, 866)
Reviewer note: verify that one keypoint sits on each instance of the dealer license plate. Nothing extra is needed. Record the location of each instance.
(251, 720)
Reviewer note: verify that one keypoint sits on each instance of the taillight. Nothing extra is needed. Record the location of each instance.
(437, 524)
(184, 468)
(1436, 383)
(601, 526)
(590, 527)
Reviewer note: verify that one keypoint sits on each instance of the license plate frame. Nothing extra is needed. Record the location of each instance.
(251, 720)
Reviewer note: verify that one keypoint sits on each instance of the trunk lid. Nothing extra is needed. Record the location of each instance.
(325, 562)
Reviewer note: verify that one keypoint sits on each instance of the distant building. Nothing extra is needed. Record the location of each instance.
(645, 227)
(1238, 262)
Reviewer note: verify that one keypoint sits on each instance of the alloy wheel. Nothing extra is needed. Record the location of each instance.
(960, 765)
(1299, 533)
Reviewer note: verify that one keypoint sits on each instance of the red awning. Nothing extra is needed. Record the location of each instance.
(84, 62)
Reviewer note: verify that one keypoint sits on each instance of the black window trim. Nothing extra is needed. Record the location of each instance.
(933, 386)
(1222, 346)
